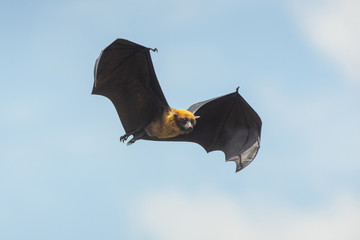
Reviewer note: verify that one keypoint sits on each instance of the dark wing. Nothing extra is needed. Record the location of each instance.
(124, 73)
(226, 123)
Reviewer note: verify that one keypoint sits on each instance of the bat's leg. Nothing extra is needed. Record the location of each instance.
(124, 138)
(137, 135)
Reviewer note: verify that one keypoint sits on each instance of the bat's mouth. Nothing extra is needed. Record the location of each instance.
(188, 127)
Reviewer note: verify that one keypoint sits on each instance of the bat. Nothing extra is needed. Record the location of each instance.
(124, 73)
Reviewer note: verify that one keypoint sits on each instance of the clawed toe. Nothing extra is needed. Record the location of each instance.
(124, 138)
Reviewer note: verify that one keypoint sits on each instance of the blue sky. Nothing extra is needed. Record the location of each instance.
(65, 175)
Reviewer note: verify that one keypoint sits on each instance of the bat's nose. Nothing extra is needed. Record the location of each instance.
(188, 126)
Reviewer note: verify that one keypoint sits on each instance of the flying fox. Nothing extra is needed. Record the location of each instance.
(124, 73)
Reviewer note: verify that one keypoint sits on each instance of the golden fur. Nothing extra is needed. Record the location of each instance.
(168, 125)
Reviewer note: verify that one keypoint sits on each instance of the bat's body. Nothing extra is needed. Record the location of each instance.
(124, 73)
(172, 124)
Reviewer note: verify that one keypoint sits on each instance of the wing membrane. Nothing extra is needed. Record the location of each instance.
(124, 73)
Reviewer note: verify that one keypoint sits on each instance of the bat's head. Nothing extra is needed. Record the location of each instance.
(184, 119)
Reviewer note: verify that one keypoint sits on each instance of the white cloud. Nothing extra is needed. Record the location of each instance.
(208, 215)
(333, 26)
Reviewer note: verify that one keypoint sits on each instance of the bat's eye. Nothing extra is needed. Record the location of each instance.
(192, 121)
(184, 120)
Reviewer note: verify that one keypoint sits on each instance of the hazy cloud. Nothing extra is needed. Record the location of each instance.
(333, 27)
(324, 124)
(177, 215)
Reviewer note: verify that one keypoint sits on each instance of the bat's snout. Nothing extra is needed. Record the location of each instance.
(188, 127)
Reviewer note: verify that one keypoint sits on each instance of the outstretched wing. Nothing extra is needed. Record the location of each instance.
(124, 73)
(226, 123)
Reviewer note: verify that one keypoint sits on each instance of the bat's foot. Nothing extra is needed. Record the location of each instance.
(124, 138)
(131, 142)
(138, 134)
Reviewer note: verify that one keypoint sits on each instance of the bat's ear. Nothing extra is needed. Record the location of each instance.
(196, 117)
(173, 112)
